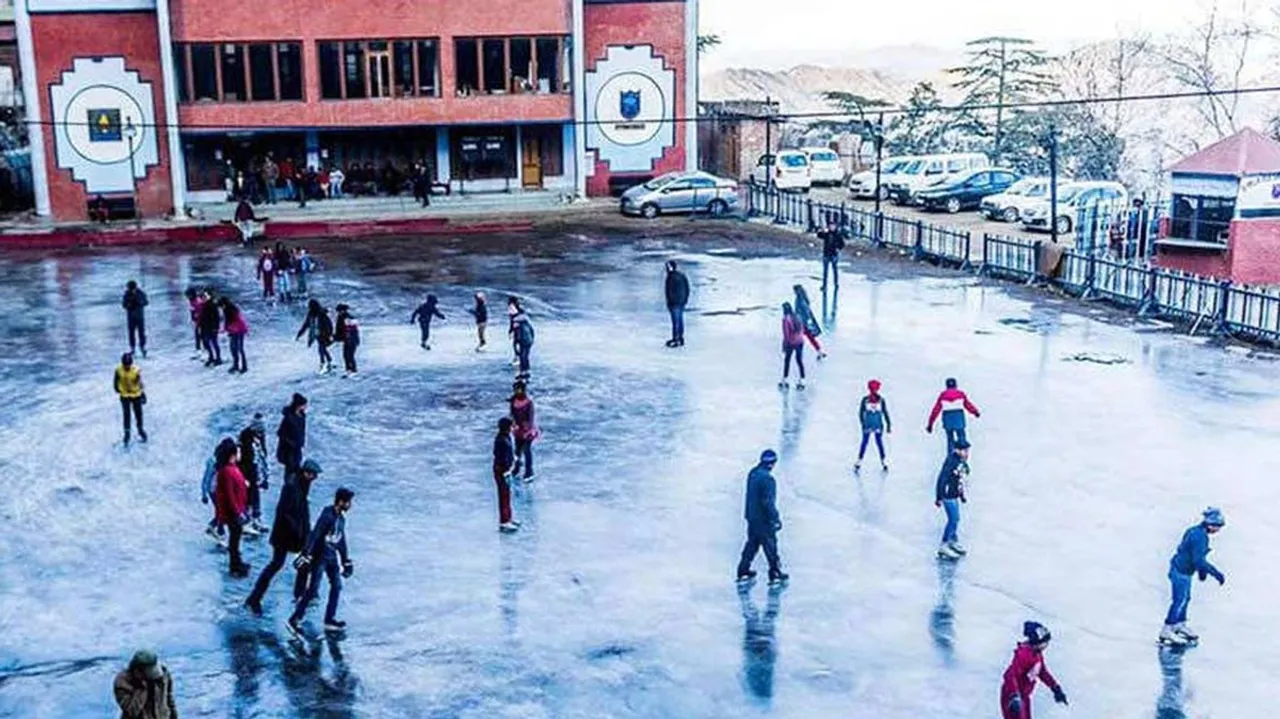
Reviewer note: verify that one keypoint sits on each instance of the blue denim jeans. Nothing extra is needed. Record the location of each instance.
(332, 571)
(677, 322)
(1181, 585)
(950, 533)
(954, 436)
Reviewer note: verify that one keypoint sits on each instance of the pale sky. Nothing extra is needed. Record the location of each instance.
(774, 34)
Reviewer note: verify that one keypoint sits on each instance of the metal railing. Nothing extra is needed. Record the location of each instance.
(1204, 303)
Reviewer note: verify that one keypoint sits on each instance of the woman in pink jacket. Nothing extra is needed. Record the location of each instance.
(525, 429)
(792, 344)
(236, 327)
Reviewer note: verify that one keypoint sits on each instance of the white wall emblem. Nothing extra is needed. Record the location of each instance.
(101, 112)
(630, 108)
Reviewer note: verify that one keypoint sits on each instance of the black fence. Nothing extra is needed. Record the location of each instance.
(1095, 271)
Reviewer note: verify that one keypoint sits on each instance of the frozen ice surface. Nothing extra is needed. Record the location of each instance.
(616, 598)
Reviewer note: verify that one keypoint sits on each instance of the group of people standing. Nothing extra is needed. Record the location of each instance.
(285, 272)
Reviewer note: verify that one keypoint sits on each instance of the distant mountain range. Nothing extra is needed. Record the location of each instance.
(800, 89)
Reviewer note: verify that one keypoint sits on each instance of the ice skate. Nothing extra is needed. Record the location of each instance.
(254, 607)
(335, 625)
(322, 371)
(508, 527)
(778, 578)
(784, 385)
(1186, 632)
(515, 362)
(884, 465)
(958, 548)
(126, 439)
(142, 436)
(295, 629)
(857, 466)
(1169, 637)
(946, 552)
(528, 478)
(217, 537)
(800, 384)
(251, 531)
(748, 577)
(822, 356)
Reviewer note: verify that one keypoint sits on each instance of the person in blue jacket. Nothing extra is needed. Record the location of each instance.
(763, 522)
(423, 315)
(948, 494)
(1191, 558)
(326, 551)
(873, 415)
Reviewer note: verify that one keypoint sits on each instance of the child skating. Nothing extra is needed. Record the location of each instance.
(792, 345)
(481, 313)
(873, 416)
(423, 315)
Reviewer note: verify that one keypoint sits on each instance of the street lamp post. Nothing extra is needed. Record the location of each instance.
(879, 153)
(131, 134)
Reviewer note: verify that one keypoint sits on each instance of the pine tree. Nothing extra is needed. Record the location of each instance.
(1002, 71)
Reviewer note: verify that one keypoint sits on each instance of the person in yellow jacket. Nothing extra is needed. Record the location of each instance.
(128, 384)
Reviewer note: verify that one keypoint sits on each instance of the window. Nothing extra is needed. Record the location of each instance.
(330, 71)
(498, 65)
(358, 69)
(353, 70)
(404, 68)
(494, 59)
(467, 66)
(548, 64)
(483, 153)
(957, 165)
(428, 68)
(238, 72)
(521, 64)
(1205, 219)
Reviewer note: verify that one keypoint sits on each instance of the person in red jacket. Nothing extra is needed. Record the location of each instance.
(524, 428)
(792, 344)
(231, 499)
(1024, 670)
(952, 404)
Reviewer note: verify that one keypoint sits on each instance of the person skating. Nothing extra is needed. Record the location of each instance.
(210, 321)
(291, 434)
(208, 488)
(134, 303)
(677, 293)
(289, 533)
(951, 404)
(763, 522)
(1191, 558)
(481, 313)
(319, 330)
(195, 301)
(284, 270)
(267, 273)
(1024, 670)
(236, 327)
(251, 467)
(873, 416)
(523, 334)
(833, 240)
(347, 331)
(128, 386)
(145, 689)
(231, 500)
(792, 345)
(513, 309)
(325, 552)
(524, 429)
(504, 456)
(809, 322)
(949, 495)
(423, 315)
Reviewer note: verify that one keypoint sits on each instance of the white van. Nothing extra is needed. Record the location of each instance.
(1009, 205)
(1076, 201)
(929, 169)
(862, 185)
(824, 166)
(790, 173)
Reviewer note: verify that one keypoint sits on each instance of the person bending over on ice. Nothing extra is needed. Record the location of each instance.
(763, 522)
(423, 315)
(792, 344)
(145, 689)
(288, 534)
(326, 552)
(809, 323)
(524, 429)
(481, 313)
(873, 415)
(677, 292)
(128, 385)
(952, 403)
(1191, 558)
(948, 494)
(1025, 669)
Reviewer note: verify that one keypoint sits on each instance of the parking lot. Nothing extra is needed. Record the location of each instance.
(969, 220)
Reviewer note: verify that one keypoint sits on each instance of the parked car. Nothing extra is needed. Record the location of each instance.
(965, 190)
(1076, 200)
(1009, 205)
(929, 169)
(678, 192)
(824, 166)
(790, 173)
(862, 185)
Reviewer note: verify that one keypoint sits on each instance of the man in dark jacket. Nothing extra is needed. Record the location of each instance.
(832, 242)
(762, 520)
(326, 551)
(948, 493)
(208, 323)
(291, 435)
(145, 689)
(288, 533)
(423, 315)
(504, 458)
(677, 291)
(1191, 558)
(134, 302)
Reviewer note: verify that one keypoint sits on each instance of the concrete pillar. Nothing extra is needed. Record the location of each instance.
(312, 141)
(580, 158)
(691, 85)
(443, 171)
(31, 107)
(177, 162)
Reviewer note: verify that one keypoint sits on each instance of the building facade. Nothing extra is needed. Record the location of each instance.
(160, 102)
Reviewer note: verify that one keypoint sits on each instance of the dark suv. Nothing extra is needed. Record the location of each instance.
(966, 191)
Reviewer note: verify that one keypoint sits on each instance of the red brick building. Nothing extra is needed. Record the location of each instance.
(164, 100)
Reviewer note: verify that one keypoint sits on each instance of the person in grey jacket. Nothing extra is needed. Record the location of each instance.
(763, 522)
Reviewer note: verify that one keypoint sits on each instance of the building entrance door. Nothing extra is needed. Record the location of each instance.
(379, 59)
(531, 160)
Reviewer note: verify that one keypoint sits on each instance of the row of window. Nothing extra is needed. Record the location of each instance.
(360, 69)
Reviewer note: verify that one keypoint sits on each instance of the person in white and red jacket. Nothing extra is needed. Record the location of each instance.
(952, 403)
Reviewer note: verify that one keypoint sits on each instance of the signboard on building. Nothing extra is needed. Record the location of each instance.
(1259, 196)
(104, 124)
(630, 108)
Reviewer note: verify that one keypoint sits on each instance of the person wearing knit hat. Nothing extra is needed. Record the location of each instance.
(145, 689)
(763, 521)
(873, 415)
(288, 533)
(1191, 558)
(949, 495)
(1025, 669)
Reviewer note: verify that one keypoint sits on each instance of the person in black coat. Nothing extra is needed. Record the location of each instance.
(833, 240)
(289, 533)
(763, 522)
(423, 315)
(677, 291)
(292, 434)
(210, 321)
(134, 303)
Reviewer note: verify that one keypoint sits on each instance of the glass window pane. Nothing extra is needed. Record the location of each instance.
(521, 64)
(548, 65)
(404, 68)
(353, 67)
(232, 58)
(204, 75)
(289, 62)
(180, 68)
(261, 72)
(427, 64)
(330, 71)
(466, 65)
(495, 65)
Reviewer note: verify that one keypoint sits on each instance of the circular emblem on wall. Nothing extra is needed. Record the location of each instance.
(102, 135)
(630, 108)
